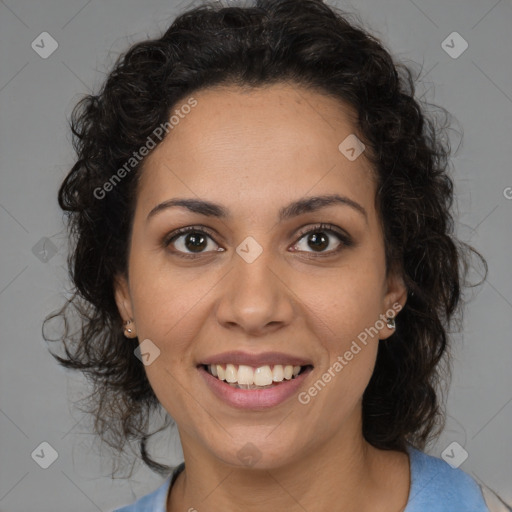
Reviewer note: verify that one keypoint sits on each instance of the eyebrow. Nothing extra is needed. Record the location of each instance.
(294, 209)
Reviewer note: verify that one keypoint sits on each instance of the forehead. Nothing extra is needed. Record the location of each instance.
(257, 146)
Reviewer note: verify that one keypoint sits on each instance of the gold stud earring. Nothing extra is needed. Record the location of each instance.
(129, 329)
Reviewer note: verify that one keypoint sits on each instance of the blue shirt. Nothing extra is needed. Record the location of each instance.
(435, 487)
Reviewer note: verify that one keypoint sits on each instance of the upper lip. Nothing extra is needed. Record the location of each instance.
(256, 360)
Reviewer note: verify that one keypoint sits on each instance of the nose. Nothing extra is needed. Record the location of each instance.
(254, 299)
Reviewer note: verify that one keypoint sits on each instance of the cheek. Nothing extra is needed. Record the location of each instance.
(343, 396)
(343, 313)
(351, 350)
(343, 304)
(167, 302)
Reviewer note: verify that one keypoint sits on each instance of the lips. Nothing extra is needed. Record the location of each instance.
(275, 388)
(255, 399)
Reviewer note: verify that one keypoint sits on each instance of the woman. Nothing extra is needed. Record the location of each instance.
(263, 247)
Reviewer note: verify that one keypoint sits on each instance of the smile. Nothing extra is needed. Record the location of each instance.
(249, 377)
(253, 396)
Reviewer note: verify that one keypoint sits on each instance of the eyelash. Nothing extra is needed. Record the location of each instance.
(322, 227)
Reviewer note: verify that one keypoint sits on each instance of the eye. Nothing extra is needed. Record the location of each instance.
(323, 237)
(191, 241)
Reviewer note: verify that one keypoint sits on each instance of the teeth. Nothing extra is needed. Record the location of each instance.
(277, 373)
(262, 376)
(231, 373)
(245, 375)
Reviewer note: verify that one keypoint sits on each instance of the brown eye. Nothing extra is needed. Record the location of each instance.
(322, 239)
(191, 240)
(318, 241)
(195, 242)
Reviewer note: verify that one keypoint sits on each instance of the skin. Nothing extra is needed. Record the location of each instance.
(255, 151)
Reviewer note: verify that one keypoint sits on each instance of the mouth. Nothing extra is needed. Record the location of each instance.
(254, 388)
(250, 377)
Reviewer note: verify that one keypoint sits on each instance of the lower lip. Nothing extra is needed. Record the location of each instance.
(253, 398)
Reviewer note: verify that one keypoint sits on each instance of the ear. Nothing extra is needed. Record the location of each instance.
(123, 297)
(394, 301)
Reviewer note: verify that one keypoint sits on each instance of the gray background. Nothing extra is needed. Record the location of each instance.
(36, 97)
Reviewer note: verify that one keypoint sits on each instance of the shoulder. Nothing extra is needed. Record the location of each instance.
(437, 487)
(153, 502)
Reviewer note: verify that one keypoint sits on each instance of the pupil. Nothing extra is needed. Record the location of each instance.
(197, 241)
(318, 242)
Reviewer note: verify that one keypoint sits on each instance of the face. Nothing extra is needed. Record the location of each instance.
(257, 276)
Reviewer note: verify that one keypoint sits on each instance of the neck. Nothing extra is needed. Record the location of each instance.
(342, 474)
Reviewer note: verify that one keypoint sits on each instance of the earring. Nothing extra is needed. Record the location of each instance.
(129, 329)
(390, 322)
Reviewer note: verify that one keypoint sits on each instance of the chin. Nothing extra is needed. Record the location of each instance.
(259, 452)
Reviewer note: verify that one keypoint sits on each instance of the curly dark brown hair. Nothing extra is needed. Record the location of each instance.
(307, 43)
